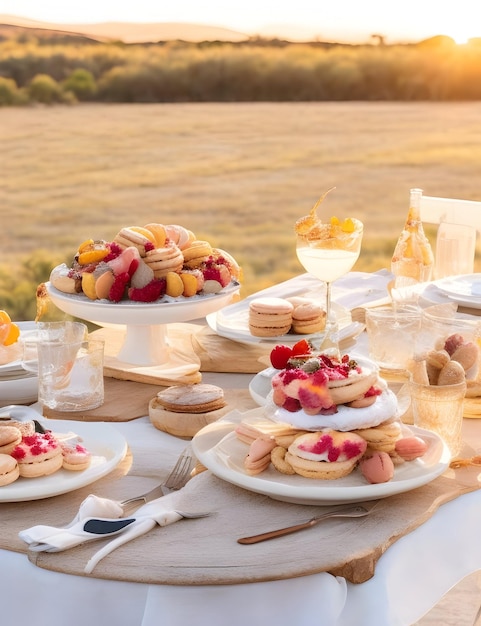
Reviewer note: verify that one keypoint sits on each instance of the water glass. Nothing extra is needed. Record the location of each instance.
(439, 408)
(391, 333)
(455, 250)
(70, 374)
(62, 332)
(437, 327)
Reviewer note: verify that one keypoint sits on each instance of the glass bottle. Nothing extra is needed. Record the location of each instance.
(412, 261)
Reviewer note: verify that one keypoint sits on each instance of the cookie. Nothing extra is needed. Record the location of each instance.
(165, 260)
(38, 455)
(10, 436)
(270, 317)
(9, 471)
(308, 317)
(198, 398)
(76, 457)
(183, 410)
(197, 253)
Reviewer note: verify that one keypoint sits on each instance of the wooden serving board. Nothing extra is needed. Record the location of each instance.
(206, 552)
(127, 400)
(124, 401)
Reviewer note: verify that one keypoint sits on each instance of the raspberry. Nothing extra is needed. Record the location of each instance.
(117, 290)
(115, 250)
(150, 292)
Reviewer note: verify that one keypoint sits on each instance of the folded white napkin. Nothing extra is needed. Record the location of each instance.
(85, 527)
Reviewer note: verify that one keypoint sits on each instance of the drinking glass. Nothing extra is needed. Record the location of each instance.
(328, 251)
(455, 250)
(59, 332)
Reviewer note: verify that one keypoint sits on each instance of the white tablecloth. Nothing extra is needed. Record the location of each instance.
(410, 577)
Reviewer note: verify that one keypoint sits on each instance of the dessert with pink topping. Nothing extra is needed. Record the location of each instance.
(38, 455)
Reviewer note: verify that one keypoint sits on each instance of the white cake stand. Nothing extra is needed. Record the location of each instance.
(145, 342)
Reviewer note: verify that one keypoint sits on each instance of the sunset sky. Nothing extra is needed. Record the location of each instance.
(347, 20)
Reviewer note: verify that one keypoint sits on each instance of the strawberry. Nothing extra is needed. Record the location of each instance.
(279, 356)
(301, 347)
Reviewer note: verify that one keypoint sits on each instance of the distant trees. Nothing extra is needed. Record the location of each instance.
(255, 70)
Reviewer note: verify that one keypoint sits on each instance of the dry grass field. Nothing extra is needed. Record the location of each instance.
(238, 175)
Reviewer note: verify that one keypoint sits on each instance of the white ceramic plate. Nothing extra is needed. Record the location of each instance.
(16, 366)
(217, 447)
(22, 390)
(107, 446)
(260, 385)
(233, 323)
(466, 286)
(127, 312)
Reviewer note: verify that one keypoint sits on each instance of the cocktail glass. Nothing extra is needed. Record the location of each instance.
(328, 251)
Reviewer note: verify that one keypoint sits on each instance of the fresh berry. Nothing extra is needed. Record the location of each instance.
(279, 356)
(301, 347)
(114, 251)
(117, 290)
(150, 292)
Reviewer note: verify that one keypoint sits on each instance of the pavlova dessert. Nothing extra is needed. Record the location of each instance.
(325, 417)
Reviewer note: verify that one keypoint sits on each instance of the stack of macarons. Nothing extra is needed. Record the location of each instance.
(274, 317)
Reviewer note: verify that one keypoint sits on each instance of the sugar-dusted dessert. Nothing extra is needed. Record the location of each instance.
(326, 417)
(39, 454)
(146, 264)
(312, 391)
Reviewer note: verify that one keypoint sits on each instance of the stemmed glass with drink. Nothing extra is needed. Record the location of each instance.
(328, 251)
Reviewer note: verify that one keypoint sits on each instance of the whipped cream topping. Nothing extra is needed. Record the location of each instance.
(346, 417)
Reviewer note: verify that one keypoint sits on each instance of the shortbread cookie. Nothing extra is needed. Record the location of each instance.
(197, 398)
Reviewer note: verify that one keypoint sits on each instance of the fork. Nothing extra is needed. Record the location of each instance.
(178, 478)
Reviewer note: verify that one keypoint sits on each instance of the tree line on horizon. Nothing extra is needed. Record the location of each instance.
(33, 70)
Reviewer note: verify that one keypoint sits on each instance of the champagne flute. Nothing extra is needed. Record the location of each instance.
(328, 251)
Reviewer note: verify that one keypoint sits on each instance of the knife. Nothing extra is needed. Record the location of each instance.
(350, 511)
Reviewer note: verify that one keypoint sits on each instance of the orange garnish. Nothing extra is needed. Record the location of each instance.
(307, 223)
(9, 332)
(348, 225)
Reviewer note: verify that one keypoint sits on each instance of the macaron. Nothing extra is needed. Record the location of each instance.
(10, 436)
(9, 471)
(38, 455)
(183, 410)
(131, 237)
(270, 317)
(197, 253)
(165, 260)
(308, 317)
(196, 398)
(76, 457)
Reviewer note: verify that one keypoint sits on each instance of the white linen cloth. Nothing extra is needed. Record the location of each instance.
(43, 538)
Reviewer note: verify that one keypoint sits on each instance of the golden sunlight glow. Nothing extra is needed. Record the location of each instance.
(461, 34)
